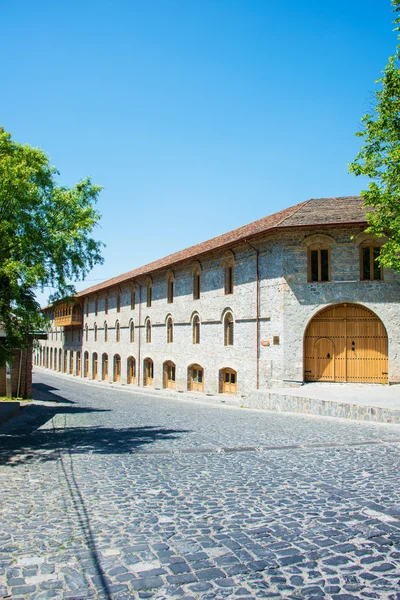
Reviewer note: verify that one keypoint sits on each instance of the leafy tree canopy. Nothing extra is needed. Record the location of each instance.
(379, 159)
(45, 237)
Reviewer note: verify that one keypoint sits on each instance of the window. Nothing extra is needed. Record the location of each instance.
(95, 332)
(196, 329)
(87, 307)
(169, 375)
(105, 332)
(104, 370)
(170, 292)
(148, 372)
(148, 294)
(148, 331)
(227, 381)
(86, 332)
(118, 302)
(370, 268)
(117, 332)
(96, 306)
(196, 378)
(117, 368)
(94, 365)
(229, 280)
(133, 299)
(131, 370)
(170, 330)
(132, 332)
(106, 305)
(228, 329)
(196, 286)
(318, 264)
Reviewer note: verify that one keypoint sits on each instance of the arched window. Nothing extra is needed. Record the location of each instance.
(149, 285)
(228, 329)
(131, 370)
(86, 332)
(228, 262)
(117, 332)
(132, 332)
(95, 332)
(117, 368)
(170, 285)
(105, 332)
(170, 331)
(118, 302)
(148, 331)
(196, 329)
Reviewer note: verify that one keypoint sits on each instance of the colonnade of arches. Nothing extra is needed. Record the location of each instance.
(73, 363)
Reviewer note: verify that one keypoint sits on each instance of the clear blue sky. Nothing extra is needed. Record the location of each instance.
(197, 116)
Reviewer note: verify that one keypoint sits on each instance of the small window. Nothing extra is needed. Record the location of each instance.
(148, 331)
(170, 291)
(318, 265)
(229, 280)
(106, 305)
(105, 332)
(132, 332)
(170, 331)
(117, 332)
(228, 329)
(370, 268)
(86, 332)
(118, 302)
(148, 294)
(196, 329)
(96, 306)
(87, 307)
(95, 332)
(196, 286)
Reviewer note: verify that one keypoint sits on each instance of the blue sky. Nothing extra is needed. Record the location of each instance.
(197, 116)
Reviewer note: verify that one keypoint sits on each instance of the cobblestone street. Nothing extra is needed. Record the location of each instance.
(109, 494)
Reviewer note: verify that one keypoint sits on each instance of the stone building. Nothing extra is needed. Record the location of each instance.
(296, 296)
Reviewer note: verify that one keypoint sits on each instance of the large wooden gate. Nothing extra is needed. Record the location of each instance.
(346, 342)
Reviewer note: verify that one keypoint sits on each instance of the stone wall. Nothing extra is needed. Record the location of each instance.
(21, 375)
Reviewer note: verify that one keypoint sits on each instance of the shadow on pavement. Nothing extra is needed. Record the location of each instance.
(44, 393)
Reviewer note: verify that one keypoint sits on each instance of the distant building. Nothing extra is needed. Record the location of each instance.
(296, 296)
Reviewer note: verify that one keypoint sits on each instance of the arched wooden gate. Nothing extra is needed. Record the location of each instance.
(346, 342)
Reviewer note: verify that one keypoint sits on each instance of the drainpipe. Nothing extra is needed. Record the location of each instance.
(140, 312)
(257, 315)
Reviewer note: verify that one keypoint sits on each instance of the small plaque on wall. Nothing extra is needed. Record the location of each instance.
(265, 343)
(275, 340)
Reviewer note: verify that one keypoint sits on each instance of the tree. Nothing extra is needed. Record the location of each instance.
(44, 237)
(379, 159)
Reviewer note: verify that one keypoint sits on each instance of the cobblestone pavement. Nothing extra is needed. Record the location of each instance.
(108, 494)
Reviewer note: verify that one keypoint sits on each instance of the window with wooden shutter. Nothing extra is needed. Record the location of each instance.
(117, 332)
(95, 332)
(170, 331)
(229, 280)
(118, 302)
(196, 286)
(105, 332)
(318, 264)
(228, 329)
(148, 294)
(133, 298)
(96, 306)
(196, 329)
(132, 332)
(148, 331)
(170, 291)
(106, 305)
(370, 268)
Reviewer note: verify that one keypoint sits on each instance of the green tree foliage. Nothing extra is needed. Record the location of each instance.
(44, 237)
(379, 159)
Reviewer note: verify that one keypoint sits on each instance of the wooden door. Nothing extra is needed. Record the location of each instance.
(149, 372)
(229, 381)
(131, 370)
(78, 364)
(105, 368)
(346, 342)
(86, 365)
(197, 383)
(95, 366)
(170, 376)
(117, 369)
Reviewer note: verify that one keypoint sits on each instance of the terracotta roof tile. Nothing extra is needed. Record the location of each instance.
(321, 211)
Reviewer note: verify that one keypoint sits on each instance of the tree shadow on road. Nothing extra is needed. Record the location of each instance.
(42, 431)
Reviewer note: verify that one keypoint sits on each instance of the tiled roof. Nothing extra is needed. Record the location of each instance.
(321, 211)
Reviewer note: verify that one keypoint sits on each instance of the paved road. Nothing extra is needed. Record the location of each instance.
(108, 494)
